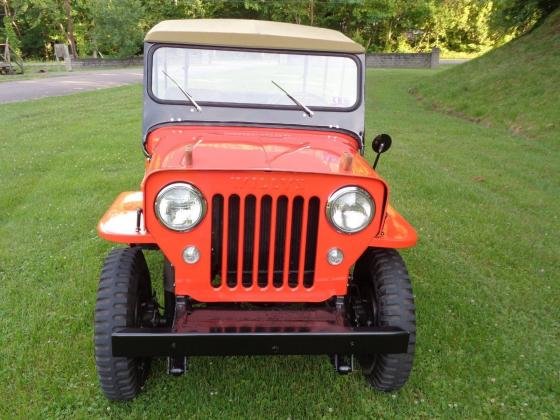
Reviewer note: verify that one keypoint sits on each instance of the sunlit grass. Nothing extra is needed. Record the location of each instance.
(485, 272)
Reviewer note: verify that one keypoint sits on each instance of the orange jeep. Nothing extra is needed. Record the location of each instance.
(277, 235)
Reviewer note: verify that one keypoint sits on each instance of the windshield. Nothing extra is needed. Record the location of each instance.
(252, 78)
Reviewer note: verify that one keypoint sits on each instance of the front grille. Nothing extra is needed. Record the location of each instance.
(263, 241)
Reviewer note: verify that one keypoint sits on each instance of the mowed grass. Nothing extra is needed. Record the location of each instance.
(485, 272)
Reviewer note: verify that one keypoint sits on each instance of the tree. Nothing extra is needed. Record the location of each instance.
(459, 25)
(39, 24)
(117, 27)
(519, 16)
(9, 27)
(70, 28)
(157, 10)
(380, 25)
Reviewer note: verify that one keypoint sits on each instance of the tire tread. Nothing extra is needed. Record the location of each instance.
(386, 269)
(119, 284)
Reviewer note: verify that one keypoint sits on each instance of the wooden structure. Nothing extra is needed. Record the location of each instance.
(10, 62)
(61, 53)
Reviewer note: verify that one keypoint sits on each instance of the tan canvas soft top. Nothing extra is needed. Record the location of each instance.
(251, 34)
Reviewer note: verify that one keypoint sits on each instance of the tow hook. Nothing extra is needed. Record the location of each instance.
(177, 365)
(343, 364)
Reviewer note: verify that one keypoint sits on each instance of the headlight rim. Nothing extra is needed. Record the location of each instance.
(340, 192)
(194, 190)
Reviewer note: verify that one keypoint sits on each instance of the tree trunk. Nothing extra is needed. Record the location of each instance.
(12, 18)
(389, 36)
(70, 29)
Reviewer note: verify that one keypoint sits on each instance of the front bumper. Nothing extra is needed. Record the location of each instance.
(226, 332)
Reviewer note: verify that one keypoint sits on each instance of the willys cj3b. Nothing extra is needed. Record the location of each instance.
(277, 235)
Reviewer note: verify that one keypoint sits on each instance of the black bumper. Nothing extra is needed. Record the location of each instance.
(249, 332)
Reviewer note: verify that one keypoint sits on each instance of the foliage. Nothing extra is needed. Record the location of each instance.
(157, 10)
(518, 16)
(115, 27)
(39, 24)
(460, 25)
(9, 34)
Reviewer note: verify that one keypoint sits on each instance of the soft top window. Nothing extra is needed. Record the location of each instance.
(253, 78)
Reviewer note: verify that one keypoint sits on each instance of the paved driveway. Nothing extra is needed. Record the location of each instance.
(23, 90)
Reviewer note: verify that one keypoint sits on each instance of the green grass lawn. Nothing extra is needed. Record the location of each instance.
(485, 272)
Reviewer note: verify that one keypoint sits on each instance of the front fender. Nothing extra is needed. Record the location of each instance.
(395, 232)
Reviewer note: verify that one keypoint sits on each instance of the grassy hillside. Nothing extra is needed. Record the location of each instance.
(516, 86)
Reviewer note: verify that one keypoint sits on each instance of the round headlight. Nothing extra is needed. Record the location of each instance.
(180, 206)
(350, 209)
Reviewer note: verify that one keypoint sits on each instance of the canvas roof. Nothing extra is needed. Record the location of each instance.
(251, 34)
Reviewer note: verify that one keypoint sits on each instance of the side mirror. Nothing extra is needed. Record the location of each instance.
(380, 144)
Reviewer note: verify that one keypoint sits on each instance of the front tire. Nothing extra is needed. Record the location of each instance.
(381, 295)
(124, 290)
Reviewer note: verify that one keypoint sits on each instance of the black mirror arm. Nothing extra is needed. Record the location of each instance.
(376, 160)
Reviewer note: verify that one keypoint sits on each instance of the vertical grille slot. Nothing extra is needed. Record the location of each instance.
(248, 240)
(311, 242)
(233, 240)
(295, 242)
(264, 239)
(217, 238)
(264, 242)
(280, 240)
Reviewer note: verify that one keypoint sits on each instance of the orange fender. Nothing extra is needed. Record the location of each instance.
(118, 224)
(396, 232)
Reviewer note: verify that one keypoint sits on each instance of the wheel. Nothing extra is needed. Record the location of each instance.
(124, 299)
(381, 295)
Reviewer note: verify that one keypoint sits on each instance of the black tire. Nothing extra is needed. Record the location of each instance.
(383, 293)
(124, 288)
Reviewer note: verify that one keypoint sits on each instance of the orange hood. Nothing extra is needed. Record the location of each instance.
(258, 149)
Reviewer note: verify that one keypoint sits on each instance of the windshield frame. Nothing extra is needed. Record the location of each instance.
(353, 57)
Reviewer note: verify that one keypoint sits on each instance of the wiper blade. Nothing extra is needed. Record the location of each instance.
(184, 92)
(302, 106)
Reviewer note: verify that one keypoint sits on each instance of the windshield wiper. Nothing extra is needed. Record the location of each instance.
(184, 92)
(302, 106)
